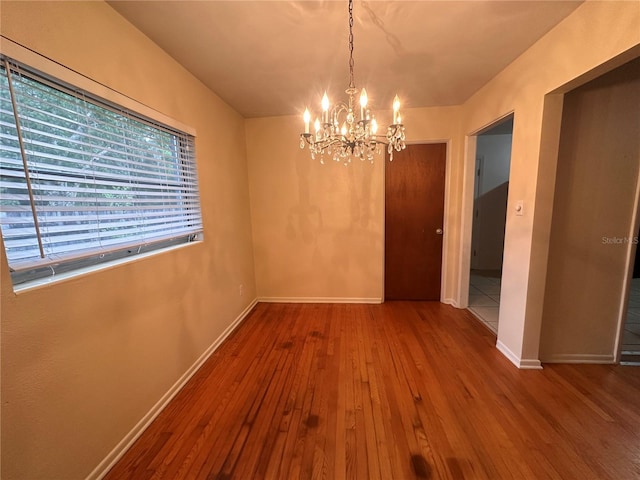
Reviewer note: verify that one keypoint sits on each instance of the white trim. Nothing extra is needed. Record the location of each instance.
(581, 358)
(319, 300)
(50, 67)
(120, 449)
(530, 364)
(521, 363)
(466, 221)
(62, 277)
(444, 262)
(513, 358)
(488, 126)
(383, 240)
(632, 251)
(451, 301)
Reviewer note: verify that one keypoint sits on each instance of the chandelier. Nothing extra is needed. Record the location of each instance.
(341, 133)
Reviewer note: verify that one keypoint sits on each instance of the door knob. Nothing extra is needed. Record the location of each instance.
(439, 231)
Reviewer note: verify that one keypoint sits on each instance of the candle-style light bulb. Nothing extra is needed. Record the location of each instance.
(316, 124)
(374, 126)
(363, 102)
(396, 110)
(343, 130)
(307, 118)
(325, 108)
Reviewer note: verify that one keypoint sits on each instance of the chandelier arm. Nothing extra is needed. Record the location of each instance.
(325, 142)
(357, 136)
(381, 139)
(307, 137)
(333, 141)
(339, 108)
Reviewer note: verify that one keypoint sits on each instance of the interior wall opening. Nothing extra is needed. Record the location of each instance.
(593, 226)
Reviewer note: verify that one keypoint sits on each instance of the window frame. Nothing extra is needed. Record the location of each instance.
(75, 82)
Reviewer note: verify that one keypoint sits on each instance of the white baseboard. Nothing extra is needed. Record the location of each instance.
(110, 460)
(318, 300)
(580, 358)
(522, 363)
(513, 358)
(530, 364)
(450, 301)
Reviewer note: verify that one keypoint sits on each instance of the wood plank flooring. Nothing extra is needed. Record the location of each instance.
(402, 390)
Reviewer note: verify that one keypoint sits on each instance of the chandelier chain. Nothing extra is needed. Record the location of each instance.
(348, 130)
(351, 63)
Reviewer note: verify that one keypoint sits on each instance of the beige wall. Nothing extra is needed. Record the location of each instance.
(318, 228)
(593, 39)
(85, 359)
(577, 47)
(591, 229)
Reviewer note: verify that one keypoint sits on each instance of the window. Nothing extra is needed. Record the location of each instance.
(83, 181)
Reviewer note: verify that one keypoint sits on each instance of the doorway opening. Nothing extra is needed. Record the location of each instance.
(491, 189)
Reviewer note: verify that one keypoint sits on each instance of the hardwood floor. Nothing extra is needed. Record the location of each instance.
(400, 390)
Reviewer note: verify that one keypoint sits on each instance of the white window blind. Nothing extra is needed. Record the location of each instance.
(82, 179)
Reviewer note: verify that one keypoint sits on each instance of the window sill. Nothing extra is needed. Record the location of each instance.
(45, 282)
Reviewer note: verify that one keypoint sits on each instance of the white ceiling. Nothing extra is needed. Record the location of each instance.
(275, 57)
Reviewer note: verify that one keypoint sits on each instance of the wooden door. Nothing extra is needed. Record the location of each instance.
(414, 211)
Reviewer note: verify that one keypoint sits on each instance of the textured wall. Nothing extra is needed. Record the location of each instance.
(596, 37)
(83, 360)
(319, 229)
(592, 229)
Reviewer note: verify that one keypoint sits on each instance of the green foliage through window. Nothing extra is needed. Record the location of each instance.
(89, 181)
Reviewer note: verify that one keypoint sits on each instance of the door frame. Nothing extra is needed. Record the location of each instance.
(477, 187)
(632, 249)
(466, 223)
(444, 275)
